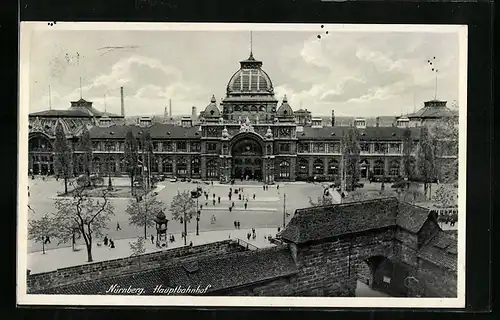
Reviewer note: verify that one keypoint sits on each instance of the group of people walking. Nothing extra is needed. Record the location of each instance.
(108, 242)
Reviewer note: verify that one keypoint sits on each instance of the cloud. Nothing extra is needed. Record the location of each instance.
(368, 69)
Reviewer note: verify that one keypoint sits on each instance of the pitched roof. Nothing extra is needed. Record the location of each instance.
(368, 133)
(219, 271)
(441, 250)
(317, 223)
(411, 217)
(331, 221)
(157, 131)
(61, 113)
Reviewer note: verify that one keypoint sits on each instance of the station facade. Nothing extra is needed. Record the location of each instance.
(250, 134)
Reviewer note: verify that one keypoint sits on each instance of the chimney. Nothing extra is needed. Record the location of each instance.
(193, 111)
(377, 121)
(170, 107)
(122, 102)
(333, 118)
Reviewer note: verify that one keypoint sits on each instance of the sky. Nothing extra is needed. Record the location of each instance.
(355, 73)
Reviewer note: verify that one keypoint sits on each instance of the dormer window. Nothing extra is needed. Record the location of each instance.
(212, 112)
(360, 123)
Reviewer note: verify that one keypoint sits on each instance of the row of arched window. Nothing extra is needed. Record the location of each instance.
(333, 167)
(254, 108)
(112, 164)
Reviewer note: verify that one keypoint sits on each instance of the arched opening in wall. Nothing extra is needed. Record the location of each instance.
(212, 170)
(40, 151)
(378, 168)
(254, 109)
(247, 159)
(195, 166)
(237, 108)
(378, 276)
(364, 169)
(181, 167)
(284, 172)
(333, 167)
(318, 167)
(96, 162)
(154, 164)
(394, 168)
(167, 166)
(303, 165)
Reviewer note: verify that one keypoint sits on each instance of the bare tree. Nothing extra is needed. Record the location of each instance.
(89, 215)
(42, 229)
(143, 210)
(183, 209)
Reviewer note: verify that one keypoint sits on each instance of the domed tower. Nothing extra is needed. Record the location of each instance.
(249, 93)
(212, 112)
(285, 112)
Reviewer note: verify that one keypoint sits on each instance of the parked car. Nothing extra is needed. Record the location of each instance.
(337, 183)
(174, 179)
(183, 179)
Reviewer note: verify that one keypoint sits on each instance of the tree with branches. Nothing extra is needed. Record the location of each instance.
(62, 156)
(85, 145)
(351, 150)
(407, 156)
(131, 157)
(445, 135)
(445, 196)
(183, 209)
(143, 210)
(42, 229)
(426, 159)
(147, 155)
(88, 215)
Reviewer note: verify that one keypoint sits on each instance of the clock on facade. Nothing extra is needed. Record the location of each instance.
(285, 131)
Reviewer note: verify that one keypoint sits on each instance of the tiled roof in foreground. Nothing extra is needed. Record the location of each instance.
(441, 250)
(324, 222)
(221, 272)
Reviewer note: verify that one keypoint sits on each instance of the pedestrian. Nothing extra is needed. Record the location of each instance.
(28, 191)
(213, 202)
(212, 182)
(229, 197)
(232, 204)
(238, 224)
(239, 196)
(264, 187)
(190, 243)
(254, 236)
(206, 204)
(47, 239)
(254, 196)
(279, 228)
(253, 230)
(201, 206)
(246, 205)
(152, 239)
(118, 226)
(112, 244)
(248, 235)
(105, 240)
(218, 199)
(230, 209)
(214, 195)
(230, 190)
(235, 224)
(277, 187)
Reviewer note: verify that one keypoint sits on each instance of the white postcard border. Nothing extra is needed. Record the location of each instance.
(26, 30)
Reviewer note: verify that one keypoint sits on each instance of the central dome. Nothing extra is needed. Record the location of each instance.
(250, 79)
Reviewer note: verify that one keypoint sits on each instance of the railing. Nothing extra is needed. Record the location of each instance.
(247, 245)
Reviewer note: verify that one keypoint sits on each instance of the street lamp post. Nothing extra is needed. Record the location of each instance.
(196, 194)
(284, 210)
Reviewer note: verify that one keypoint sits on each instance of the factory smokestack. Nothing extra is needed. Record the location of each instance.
(122, 102)
(193, 111)
(170, 107)
(333, 118)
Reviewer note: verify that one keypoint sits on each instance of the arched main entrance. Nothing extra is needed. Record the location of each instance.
(380, 274)
(247, 159)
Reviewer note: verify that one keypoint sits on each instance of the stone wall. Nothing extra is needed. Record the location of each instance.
(436, 281)
(114, 267)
